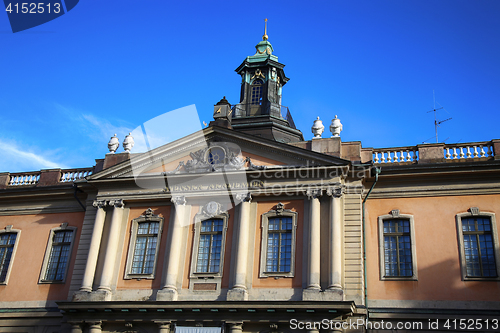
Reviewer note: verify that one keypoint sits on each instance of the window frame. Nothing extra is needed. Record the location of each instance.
(134, 228)
(396, 215)
(279, 212)
(475, 212)
(204, 216)
(9, 230)
(48, 250)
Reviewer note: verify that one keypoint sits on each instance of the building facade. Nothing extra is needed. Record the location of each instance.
(246, 227)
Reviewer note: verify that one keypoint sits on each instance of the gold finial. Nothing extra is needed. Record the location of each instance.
(265, 37)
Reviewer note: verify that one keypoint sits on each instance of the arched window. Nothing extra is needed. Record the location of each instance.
(256, 97)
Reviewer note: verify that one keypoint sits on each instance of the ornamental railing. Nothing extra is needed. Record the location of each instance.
(26, 178)
(70, 175)
(395, 155)
(459, 151)
(44, 177)
(439, 152)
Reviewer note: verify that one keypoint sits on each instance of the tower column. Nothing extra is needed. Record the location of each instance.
(239, 291)
(171, 270)
(335, 241)
(313, 277)
(112, 246)
(95, 243)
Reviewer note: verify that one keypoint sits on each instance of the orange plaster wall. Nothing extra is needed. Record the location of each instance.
(227, 249)
(28, 260)
(437, 250)
(162, 211)
(169, 166)
(270, 282)
(259, 160)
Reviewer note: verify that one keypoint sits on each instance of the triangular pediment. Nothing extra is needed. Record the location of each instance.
(216, 149)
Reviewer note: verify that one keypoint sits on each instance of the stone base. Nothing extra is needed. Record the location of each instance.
(332, 294)
(94, 296)
(311, 295)
(167, 295)
(237, 294)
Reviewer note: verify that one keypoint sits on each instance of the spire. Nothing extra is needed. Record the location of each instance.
(265, 37)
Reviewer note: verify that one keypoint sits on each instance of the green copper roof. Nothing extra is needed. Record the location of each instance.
(264, 51)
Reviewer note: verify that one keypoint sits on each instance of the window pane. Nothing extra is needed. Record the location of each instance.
(210, 246)
(478, 247)
(397, 248)
(59, 255)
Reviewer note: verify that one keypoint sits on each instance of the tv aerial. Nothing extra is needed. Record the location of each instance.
(436, 121)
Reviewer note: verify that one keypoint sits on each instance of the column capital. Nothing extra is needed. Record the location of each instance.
(99, 203)
(117, 203)
(335, 191)
(235, 325)
(179, 200)
(163, 323)
(244, 197)
(314, 193)
(94, 324)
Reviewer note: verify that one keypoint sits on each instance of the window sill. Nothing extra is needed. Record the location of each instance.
(139, 277)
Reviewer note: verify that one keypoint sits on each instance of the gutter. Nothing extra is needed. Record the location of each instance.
(377, 172)
(74, 193)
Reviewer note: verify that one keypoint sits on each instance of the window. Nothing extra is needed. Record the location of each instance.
(278, 242)
(58, 254)
(216, 155)
(478, 244)
(256, 98)
(209, 248)
(397, 247)
(209, 242)
(8, 245)
(145, 234)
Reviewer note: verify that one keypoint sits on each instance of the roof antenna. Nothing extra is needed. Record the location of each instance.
(265, 37)
(436, 121)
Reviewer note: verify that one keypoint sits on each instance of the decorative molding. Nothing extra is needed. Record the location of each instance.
(117, 203)
(314, 193)
(336, 191)
(253, 166)
(64, 225)
(244, 197)
(200, 159)
(99, 203)
(474, 210)
(279, 208)
(179, 200)
(212, 208)
(8, 228)
(395, 213)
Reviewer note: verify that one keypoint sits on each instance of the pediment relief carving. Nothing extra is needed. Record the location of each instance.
(218, 156)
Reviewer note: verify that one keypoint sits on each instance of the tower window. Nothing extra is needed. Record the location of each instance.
(256, 97)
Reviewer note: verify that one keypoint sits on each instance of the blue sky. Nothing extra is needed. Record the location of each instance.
(107, 67)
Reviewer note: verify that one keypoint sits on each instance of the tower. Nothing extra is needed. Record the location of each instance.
(260, 111)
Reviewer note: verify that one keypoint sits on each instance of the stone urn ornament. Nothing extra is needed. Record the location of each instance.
(317, 128)
(128, 143)
(113, 144)
(335, 127)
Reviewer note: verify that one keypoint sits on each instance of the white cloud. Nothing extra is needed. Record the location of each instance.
(16, 159)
